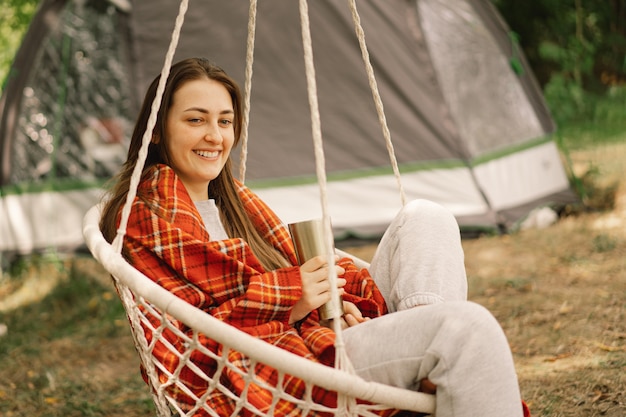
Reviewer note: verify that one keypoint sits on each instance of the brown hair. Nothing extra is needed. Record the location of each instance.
(223, 188)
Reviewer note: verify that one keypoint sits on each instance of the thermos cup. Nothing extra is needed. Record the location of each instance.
(309, 241)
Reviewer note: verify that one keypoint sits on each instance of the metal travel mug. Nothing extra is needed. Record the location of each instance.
(309, 241)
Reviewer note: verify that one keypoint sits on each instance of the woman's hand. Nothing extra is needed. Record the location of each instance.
(315, 286)
(351, 315)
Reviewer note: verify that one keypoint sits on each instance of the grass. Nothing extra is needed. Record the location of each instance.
(603, 121)
(559, 293)
(71, 353)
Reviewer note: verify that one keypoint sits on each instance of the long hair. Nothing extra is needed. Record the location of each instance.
(223, 188)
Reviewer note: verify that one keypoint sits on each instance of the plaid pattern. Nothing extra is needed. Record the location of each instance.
(166, 241)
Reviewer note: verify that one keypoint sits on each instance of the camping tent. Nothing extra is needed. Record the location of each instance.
(467, 119)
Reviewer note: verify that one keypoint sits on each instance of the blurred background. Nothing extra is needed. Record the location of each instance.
(558, 288)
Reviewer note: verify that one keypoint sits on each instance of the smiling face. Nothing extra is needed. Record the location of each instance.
(199, 134)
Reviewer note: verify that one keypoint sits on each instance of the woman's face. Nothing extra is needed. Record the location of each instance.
(199, 134)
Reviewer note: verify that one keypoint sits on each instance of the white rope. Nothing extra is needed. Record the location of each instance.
(376, 95)
(125, 294)
(341, 359)
(247, 90)
(147, 136)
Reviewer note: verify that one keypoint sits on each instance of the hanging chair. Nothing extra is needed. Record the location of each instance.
(144, 300)
(157, 316)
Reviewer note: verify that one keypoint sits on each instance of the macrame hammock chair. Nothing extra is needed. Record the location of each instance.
(142, 297)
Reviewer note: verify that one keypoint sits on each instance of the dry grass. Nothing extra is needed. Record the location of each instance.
(559, 293)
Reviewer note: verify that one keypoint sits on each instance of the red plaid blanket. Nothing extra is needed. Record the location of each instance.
(166, 240)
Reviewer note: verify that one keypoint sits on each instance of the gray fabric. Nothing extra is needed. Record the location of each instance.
(279, 81)
(432, 331)
(420, 259)
(419, 118)
(458, 346)
(494, 101)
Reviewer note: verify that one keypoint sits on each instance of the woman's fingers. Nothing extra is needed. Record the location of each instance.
(322, 280)
(316, 263)
(427, 386)
(316, 288)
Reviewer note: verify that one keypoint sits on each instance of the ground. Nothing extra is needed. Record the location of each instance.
(558, 292)
(560, 295)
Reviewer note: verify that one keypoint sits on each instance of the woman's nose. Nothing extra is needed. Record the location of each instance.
(213, 134)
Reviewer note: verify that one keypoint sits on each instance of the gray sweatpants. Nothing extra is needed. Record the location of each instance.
(455, 343)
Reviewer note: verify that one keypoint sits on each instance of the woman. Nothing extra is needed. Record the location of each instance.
(208, 239)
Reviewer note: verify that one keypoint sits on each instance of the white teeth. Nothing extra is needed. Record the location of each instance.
(207, 154)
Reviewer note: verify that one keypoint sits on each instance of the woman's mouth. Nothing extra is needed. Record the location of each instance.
(207, 154)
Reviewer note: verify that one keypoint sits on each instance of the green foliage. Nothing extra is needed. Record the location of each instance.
(577, 50)
(589, 118)
(611, 108)
(15, 16)
(572, 54)
(565, 97)
(75, 302)
(19, 266)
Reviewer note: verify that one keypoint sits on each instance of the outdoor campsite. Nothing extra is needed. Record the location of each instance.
(510, 114)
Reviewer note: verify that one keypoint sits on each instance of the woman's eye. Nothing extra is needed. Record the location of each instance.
(226, 122)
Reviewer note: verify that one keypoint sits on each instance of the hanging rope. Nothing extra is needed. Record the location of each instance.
(126, 296)
(247, 90)
(360, 34)
(341, 359)
(147, 136)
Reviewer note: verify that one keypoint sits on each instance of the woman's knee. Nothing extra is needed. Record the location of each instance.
(465, 318)
(425, 215)
(428, 212)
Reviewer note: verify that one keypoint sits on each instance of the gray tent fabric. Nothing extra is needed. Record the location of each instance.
(470, 130)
